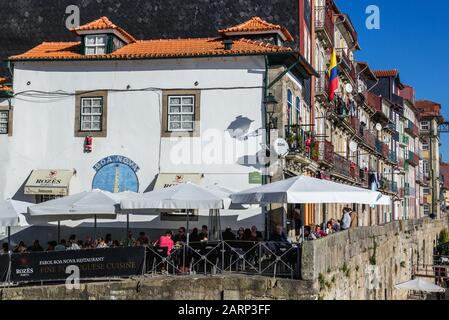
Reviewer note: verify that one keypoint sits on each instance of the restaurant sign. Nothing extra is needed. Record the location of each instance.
(116, 174)
(92, 263)
(49, 182)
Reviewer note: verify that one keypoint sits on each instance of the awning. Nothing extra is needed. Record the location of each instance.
(165, 180)
(49, 182)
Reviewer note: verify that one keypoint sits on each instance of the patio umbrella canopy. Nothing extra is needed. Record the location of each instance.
(84, 205)
(419, 284)
(303, 189)
(179, 197)
(11, 213)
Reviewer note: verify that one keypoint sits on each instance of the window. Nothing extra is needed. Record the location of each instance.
(289, 107)
(426, 209)
(298, 110)
(4, 121)
(425, 125)
(426, 191)
(425, 165)
(91, 114)
(96, 44)
(425, 145)
(181, 113)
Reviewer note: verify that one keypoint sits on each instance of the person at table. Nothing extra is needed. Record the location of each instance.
(255, 234)
(228, 235)
(166, 241)
(61, 246)
(108, 240)
(36, 247)
(247, 234)
(143, 239)
(194, 236)
(278, 235)
(20, 248)
(346, 219)
(241, 234)
(204, 234)
(181, 236)
(129, 240)
(5, 248)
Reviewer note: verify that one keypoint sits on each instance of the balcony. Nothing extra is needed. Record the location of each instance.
(392, 157)
(369, 139)
(323, 153)
(299, 140)
(420, 177)
(355, 124)
(324, 25)
(346, 65)
(411, 129)
(413, 159)
(363, 178)
(385, 150)
(354, 171)
(375, 102)
(322, 86)
(342, 165)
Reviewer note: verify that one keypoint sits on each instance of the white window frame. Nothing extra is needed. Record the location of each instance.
(425, 146)
(91, 114)
(4, 121)
(426, 209)
(424, 124)
(426, 191)
(182, 113)
(96, 45)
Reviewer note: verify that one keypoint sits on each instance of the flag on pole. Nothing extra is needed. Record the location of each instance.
(333, 75)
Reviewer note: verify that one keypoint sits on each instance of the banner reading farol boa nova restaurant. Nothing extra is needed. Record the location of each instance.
(94, 263)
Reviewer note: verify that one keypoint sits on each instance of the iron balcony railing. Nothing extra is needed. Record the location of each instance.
(323, 153)
(411, 129)
(342, 165)
(413, 158)
(392, 157)
(322, 84)
(298, 140)
(324, 24)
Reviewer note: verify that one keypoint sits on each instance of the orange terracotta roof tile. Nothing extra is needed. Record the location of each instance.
(103, 24)
(256, 24)
(150, 49)
(386, 73)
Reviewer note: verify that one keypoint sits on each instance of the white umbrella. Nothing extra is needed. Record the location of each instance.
(12, 215)
(303, 189)
(84, 205)
(419, 284)
(183, 196)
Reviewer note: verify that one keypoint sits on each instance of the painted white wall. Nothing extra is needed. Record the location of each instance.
(43, 136)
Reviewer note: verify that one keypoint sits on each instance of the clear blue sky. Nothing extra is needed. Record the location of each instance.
(414, 38)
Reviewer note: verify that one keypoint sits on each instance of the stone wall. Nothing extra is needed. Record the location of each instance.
(236, 287)
(367, 262)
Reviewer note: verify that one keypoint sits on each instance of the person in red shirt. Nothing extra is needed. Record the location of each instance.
(166, 241)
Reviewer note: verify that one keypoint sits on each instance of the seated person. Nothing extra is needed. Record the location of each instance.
(143, 239)
(204, 234)
(278, 235)
(181, 236)
(255, 234)
(194, 236)
(36, 247)
(5, 248)
(228, 235)
(166, 242)
(61, 246)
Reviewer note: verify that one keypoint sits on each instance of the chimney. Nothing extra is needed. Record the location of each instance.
(228, 44)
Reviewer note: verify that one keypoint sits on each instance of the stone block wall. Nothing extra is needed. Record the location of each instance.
(367, 262)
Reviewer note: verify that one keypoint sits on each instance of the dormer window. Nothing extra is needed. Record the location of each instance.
(96, 44)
